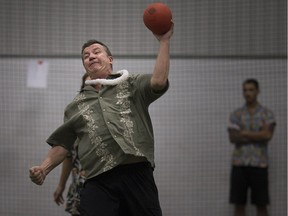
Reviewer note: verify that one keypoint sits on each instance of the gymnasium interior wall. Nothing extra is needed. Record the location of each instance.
(216, 45)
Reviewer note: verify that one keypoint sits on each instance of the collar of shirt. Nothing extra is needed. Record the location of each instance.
(259, 107)
(91, 88)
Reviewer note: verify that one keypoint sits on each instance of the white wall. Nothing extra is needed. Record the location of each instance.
(192, 148)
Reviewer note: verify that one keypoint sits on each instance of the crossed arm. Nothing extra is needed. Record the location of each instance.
(245, 136)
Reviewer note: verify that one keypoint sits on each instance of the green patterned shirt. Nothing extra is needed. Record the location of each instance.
(255, 153)
(110, 124)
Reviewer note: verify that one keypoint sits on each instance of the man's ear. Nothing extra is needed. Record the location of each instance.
(111, 59)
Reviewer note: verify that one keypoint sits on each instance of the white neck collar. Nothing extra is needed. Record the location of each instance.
(123, 76)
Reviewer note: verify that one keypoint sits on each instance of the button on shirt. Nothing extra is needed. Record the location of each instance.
(110, 124)
(251, 154)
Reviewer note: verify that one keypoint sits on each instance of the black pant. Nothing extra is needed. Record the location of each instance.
(126, 190)
(243, 178)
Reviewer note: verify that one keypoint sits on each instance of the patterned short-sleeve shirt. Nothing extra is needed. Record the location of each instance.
(251, 154)
(109, 124)
(78, 179)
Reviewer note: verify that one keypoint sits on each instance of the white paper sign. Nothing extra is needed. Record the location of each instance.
(37, 73)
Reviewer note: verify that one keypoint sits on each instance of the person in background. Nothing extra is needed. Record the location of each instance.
(116, 141)
(71, 164)
(250, 129)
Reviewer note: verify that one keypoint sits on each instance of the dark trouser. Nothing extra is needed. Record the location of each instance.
(243, 178)
(126, 190)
